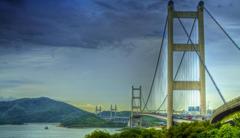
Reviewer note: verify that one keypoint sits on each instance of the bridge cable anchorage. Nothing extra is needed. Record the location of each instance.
(200, 58)
(220, 26)
(159, 55)
(179, 66)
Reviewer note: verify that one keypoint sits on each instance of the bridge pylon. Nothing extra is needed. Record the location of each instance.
(98, 110)
(175, 47)
(136, 107)
(113, 111)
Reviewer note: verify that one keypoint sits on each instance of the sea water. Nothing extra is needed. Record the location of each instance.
(39, 130)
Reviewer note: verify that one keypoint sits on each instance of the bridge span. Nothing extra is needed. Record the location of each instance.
(165, 118)
(226, 109)
(180, 71)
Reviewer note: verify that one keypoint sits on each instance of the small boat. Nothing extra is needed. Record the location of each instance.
(46, 127)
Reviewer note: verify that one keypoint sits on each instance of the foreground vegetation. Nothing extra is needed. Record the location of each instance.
(183, 130)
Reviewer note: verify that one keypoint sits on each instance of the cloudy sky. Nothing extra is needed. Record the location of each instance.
(90, 52)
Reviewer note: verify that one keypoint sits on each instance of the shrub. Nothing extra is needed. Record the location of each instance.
(183, 130)
(236, 119)
(98, 134)
(228, 131)
(130, 133)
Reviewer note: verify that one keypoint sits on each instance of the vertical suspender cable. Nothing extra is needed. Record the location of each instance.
(184, 51)
(201, 60)
(159, 55)
(178, 69)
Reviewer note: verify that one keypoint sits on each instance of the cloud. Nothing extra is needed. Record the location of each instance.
(17, 83)
(89, 38)
(15, 2)
(106, 5)
(85, 106)
(88, 24)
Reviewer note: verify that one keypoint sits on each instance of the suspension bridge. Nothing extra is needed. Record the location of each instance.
(180, 71)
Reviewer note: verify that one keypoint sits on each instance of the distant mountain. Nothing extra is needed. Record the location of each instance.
(30, 110)
(7, 99)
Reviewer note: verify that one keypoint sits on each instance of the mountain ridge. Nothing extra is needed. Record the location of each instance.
(42, 109)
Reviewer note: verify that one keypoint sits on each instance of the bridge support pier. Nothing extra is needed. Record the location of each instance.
(173, 47)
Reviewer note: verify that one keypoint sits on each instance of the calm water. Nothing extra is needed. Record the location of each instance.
(38, 131)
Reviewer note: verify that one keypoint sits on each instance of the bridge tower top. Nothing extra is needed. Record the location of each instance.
(113, 111)
(98, 110)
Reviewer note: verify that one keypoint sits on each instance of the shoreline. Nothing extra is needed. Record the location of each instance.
(57, 124)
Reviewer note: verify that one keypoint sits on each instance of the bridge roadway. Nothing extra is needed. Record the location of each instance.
(165, 118)
(221, 112)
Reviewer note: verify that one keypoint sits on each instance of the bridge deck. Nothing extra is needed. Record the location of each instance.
(165, 118)
(226, 109)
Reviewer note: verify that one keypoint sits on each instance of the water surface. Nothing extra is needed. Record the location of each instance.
(38, 131)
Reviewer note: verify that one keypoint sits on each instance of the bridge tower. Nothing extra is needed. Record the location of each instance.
(136, 107)
(98, 110)
(113, 111)
(174, 47)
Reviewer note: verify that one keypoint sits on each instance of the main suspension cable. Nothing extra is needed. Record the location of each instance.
(219, 25)
(179, 63)
(185, 51)
(143, 101)
(165, 98)
(201, 60)
(156, 69)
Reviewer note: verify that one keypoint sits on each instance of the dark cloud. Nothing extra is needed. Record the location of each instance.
(39, 23)
(87, 23)
(105, 5)
(15, 2)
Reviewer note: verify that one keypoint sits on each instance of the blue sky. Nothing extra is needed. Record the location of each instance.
(90, 52)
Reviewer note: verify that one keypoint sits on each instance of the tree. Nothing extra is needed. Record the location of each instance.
(228, 131)
(236, 119)
(98, 134)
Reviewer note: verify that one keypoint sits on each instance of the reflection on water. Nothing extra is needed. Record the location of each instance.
(39, 131)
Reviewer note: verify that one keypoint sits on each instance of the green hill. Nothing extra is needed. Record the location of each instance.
(46, 110)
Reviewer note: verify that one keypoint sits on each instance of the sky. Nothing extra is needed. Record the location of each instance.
(90, 52)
